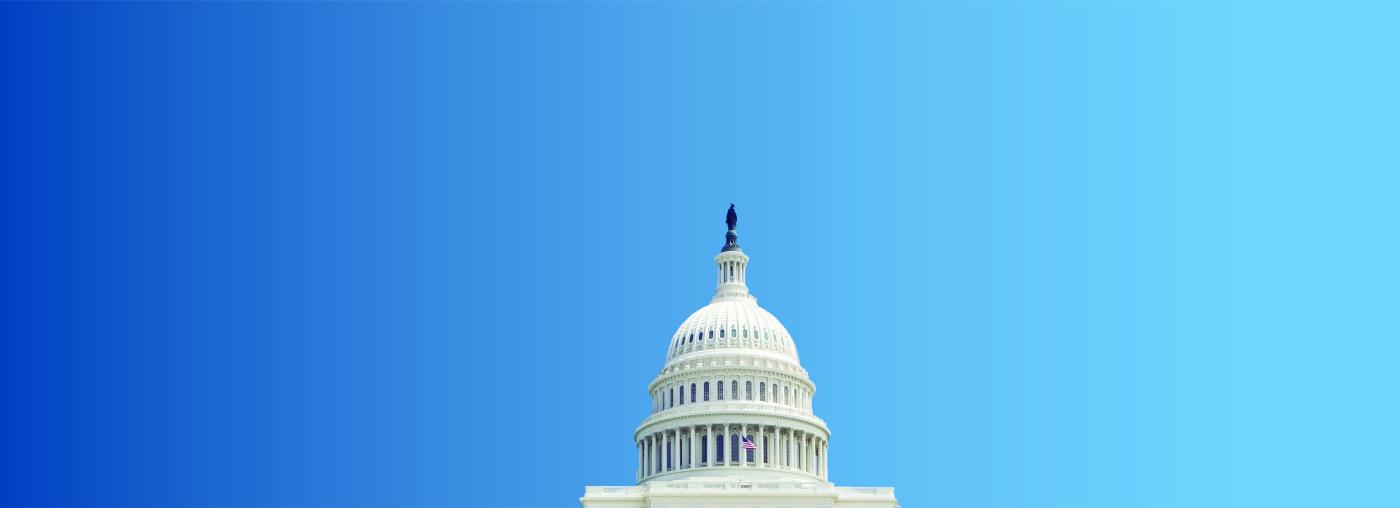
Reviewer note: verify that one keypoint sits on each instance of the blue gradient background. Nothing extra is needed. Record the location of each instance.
(1071, 254)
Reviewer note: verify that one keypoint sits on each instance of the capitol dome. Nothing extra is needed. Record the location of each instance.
(731, 420)
(732, 397)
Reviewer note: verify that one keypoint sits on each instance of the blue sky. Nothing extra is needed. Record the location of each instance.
(1068, 254)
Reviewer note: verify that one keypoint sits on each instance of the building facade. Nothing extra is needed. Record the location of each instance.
(731, 421)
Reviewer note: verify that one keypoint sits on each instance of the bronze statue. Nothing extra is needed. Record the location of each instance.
(731, 239)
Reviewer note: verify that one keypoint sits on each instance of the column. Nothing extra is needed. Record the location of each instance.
(796, 450)
(782, 449)
(807, 452)
(801, 456)
(728, 453)
(743, 454)
(777, 459)
(793, 448)
(714, 440)
(693, 447)
(760, 455)
(787, 449)
(826, 458)
(807, 441)
(640, 455)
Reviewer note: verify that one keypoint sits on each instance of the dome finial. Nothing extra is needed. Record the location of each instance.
(731, 239)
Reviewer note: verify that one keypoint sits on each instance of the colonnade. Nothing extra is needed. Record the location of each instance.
(718, 445)
(732, 271)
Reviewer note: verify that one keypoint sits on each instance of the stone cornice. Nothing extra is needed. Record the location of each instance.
(734, 416)
(732, 356)
(726, 373)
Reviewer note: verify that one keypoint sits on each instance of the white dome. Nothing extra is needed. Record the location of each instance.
(731, 418)
(732, 398)
(732, 323)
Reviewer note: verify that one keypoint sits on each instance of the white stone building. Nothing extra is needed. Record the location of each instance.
(731, 422)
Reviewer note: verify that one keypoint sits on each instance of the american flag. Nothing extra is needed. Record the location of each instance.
(748, 445)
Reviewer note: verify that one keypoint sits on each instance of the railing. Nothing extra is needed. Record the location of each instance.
(597, 491)
(866, 491)
(730, 467)
(769, 486)
(726, 407)
(684, 486)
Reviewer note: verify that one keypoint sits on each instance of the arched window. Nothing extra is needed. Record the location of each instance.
(748, 454)
(719, 452)
(786, 399)
(673, 398)
(712, 334)
(720, 390)
(692, 338)
(762, 395)
(704, 451)
(734, 447)
(707, 390)
(746, 333)
(734, 389)
(692, 392)
(733, 332)
(748, 390)
(721, 334)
